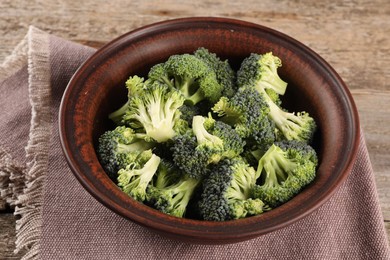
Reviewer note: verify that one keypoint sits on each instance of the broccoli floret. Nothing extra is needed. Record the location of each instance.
(156, 112)
(135, 178)
(247, 111)
(290, 126)
(207, 143)
(261, 71)
(191, 76)
(134, 85)
(226, 192)
(119, 147)
(188, 112)
(172, 196)
(283, 171)
(224, 72)
(217, 139)
(159, 73)
(186, 158)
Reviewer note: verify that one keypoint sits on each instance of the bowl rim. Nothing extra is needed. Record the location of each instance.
(208, 230)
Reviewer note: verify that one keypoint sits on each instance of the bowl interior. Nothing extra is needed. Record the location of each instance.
(97, 89)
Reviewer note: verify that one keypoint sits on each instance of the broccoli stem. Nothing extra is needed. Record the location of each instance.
(139, 145)
(184, 193)
(138, 179)
(195, 98)
(276, 165)
(117, 115)
(271, 80)
(202, 136)
(269, 74)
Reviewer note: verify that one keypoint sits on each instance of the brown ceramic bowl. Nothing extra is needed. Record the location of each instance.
(97, 89)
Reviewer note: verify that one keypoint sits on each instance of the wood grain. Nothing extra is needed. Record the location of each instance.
(352, 35)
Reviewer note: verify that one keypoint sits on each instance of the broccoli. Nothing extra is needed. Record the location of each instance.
(225, 74)
(186, 158)
(135, 178)
(216, 138)
(156, 113)
(188, 112)
(119, 147)
(172, 195)
(247, 111)
(260, 71)
(196, 139)
(226, 192)
(190, 75)
(283, 171)
(207, 143)
(290, 126)
(134, 85)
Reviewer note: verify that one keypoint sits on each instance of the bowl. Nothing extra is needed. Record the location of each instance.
(97, 88)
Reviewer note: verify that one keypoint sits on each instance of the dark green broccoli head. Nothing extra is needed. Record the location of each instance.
(284, 170)
(247, 111)
(186, 158)
(226, 192)
(119, 147)
(225, 74)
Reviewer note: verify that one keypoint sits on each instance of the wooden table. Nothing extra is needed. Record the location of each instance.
(352, 35)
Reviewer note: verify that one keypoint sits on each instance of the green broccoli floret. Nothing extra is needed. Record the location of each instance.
(186, 158)
(215, 138)
(135, 178)
(247, 111)
(172, 196)
(283, 171)
(207, 143)
(134, 85)
(261, 71)
(191, 76)
(290, 126)
(226, 192)
(119, 147)
(188, 112)
(225, 74)
(156, 113)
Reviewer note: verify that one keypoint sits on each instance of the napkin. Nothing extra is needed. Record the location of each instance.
(60, 220)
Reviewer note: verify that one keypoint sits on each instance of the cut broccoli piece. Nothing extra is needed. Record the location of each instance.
(208, 143)
(261, 71)
(217, 139)
(266, 82)
(119, 147)
(283, 171)
(172, 196)
(247, 111)
(191, 76)
(156, 112)
(186, 158)
(134, 85)
(135, 178)
(226, 192)
(225, 74)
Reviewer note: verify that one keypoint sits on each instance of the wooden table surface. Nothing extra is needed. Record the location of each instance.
(352, 35)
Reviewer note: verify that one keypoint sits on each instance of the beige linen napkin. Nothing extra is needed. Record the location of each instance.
(60, 220)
